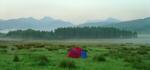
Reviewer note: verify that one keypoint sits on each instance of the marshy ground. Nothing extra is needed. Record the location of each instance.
(44, 55)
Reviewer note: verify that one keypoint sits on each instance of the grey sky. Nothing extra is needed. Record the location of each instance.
(76, 11)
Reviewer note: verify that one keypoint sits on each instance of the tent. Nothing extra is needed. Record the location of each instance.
(83, 54)
(77, 52)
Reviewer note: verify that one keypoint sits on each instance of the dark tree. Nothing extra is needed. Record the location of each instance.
(74, 33)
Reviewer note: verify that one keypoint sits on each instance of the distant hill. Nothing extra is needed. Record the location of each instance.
(100, 22)
(139, 25)
(48, 24)
(45, 23)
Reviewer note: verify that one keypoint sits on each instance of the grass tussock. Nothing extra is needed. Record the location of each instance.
(99, 58)
(70, 64)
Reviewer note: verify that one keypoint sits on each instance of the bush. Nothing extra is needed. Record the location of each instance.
(39, 46)
(67, 64)
(19, 46)
(3, 51)
(3, 46)
(35, 45)
(142, 52)
(99, 58)
(142, 66)
(42, 60)
(62, 46)
(52, 48)
(133, 59)
(16, 59)
(105, 54)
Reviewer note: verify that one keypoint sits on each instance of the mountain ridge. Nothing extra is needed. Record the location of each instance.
(100, 22)
(46, 24)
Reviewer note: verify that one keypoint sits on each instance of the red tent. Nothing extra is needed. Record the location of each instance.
(75, 52)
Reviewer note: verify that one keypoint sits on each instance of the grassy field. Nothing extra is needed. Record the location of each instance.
(52, 55)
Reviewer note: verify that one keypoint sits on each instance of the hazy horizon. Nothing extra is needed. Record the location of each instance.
(75, 11)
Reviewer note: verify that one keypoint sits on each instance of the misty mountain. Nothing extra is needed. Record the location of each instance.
(138, 25)
(46, 23)
(100, 22)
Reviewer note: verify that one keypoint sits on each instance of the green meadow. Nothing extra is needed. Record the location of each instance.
(52, 55)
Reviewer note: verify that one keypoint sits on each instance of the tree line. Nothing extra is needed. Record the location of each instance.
(73, 33)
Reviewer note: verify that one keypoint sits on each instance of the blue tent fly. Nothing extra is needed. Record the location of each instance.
(83, 54)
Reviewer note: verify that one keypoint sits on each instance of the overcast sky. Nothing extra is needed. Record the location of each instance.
(76, 11)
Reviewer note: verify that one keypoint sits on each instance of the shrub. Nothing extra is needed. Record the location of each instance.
(3, 46)
(16, 59)
(19, 46)
(142, 66)
(49, 49)
(84, 46)
(99, 58)
(3, 50)
(35, 45)
(69, 46)
(132, 59)
(40, 46)
(62, 46)
(67, 64)
(42, 60)
(142, 52)
(12, 49)
(105, 54)
(52, 48)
